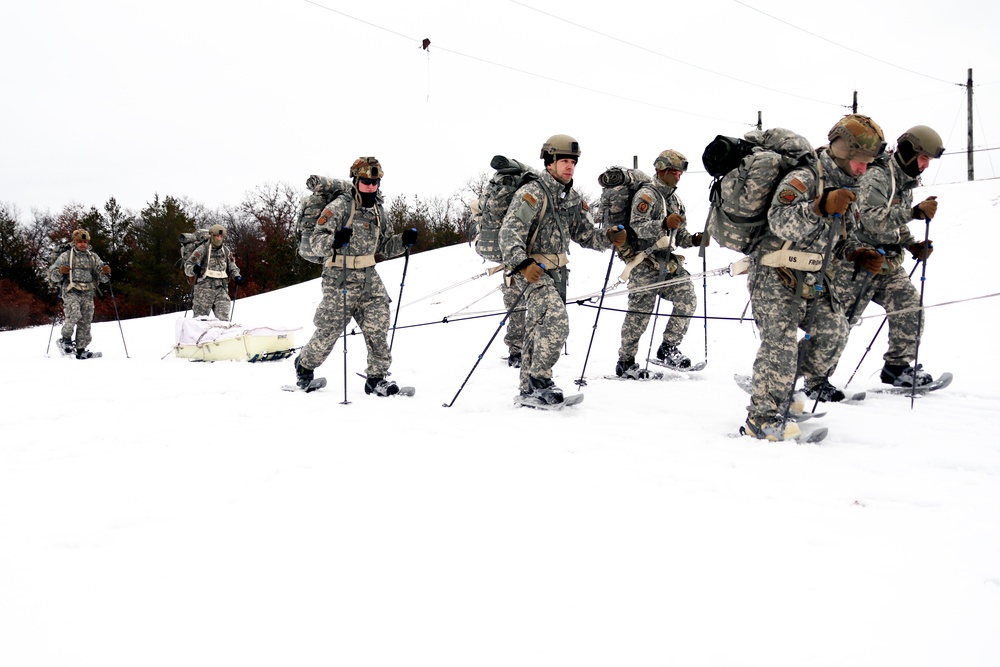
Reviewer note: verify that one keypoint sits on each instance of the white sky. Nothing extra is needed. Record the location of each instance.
(208, 99)
(156, 512)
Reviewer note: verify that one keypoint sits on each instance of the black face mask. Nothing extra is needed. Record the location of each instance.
(907, 159)
(368, 199)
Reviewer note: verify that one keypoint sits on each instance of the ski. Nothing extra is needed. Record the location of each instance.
(812, 436)
(940, 383)
(690, 369)
(745, 383)
(88, 355)
(652, 376)
(529, 402)
(317, 383)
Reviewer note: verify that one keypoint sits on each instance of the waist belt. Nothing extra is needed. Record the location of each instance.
(212, 273)
(551, 261)
(793, 259)
(350, 261)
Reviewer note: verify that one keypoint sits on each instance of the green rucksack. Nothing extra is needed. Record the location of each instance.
(489, 209)
(324, 190)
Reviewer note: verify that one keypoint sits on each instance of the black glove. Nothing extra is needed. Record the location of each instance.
(409, 236)
(198, 270)
(239, 280)
(342, 237)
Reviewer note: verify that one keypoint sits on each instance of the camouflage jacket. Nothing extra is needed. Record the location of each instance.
(566, 217)
(792, 215)
(85, 270)
(651, 205)
(371, 230)
(886, 204)
(212, 259)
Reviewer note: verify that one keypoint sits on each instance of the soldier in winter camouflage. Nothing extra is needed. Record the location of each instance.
(77, 271)
(536, 250)
(209, 269)
(886, 205)
(811, 206)
(657, 219)
(349, 232)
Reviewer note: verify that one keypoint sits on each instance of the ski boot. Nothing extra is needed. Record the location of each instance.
(303, 375)
(380, 387)
(627, 368)
(514, 360)
(543, 390)
(672, 357)
(771, 428)
(67, 346)
(902, 376)
(825, 392)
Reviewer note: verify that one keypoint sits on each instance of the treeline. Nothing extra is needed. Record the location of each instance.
(143, 250)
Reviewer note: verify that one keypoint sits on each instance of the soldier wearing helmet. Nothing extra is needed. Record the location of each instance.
(209, 268)
(875, 250)
(350, 231)
(534, 238)
(78, 271)
(811, 211)
(657, 226)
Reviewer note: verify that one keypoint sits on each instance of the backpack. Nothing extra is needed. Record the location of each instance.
(324, 190)
(618, 188)
(747, 171)
(190, 242)
(489, 209)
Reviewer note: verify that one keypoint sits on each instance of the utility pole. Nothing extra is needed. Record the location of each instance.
(635, 161)
(854, 105)
(760, 124)
(968, 93)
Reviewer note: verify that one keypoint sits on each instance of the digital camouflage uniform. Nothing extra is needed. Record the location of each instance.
(883, 224)
(514, 336)
(78, 288)
(652, 203)
(367, 299)
(776, 293)
(211, 289)
(546, 323)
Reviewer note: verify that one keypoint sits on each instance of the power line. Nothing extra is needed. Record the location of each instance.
(676, 60)
(860, 53)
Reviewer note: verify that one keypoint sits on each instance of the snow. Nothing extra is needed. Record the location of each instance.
(155, 511)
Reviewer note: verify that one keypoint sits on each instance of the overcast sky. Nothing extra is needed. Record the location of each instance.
(208, 99)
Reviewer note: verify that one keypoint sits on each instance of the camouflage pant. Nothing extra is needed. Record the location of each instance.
(211, 294)
(546, 327)
(515, 323)
(367, 303)
(641, 304)
(779, 312)
(78, 309)
(893, 291)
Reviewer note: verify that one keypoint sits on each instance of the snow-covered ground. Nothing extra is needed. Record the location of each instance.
(155, 511)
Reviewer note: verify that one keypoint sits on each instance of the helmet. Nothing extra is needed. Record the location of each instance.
(216, 230)
(862, 134)
(670, 159)
(923, 140)
(81, 235)
(366, 167)
(558, 147)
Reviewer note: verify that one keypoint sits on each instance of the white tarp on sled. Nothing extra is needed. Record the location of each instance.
(209, 339)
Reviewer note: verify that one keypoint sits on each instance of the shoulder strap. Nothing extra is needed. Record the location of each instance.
(541, 214)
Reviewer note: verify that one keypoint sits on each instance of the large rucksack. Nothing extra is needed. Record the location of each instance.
(324, 190)
(489, 209)
(618, 188)
(190, 242)
(747, 171)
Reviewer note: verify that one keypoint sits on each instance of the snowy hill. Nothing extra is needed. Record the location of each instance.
(220, 521)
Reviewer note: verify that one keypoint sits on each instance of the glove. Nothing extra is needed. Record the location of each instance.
(672, 221)
(532, 272)
(834, 201)
(198, 270)
(239, 280)
(409, 236)
(64, 269)
(867, 259)
(106, 269)
(191, 280)
(342, 237)
(617, 236)
(921, 249)
(926, 209)
(696, 240)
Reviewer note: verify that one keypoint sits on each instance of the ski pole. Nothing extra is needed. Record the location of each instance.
(236, 296)
(55, 316)
(114, 301)
(877, 332)
(861, 292)
(920, 322)
(652, 335)
(492, 338)
(582, 382)
(344, 292)
(399, 300)
(704, 281)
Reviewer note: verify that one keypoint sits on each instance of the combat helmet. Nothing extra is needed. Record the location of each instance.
(366, 167)
(922, 139)
(81, 235)
(670, 159)
(559, 147)
(862, 134)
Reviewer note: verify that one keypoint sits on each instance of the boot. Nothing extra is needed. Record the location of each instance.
(824, 391)
(671, 356)
(67, 346)
(627, 368)
(544, 390)
(380, 387)
(514, 360)
(902, 376)
(773, 429)
(303, 375)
